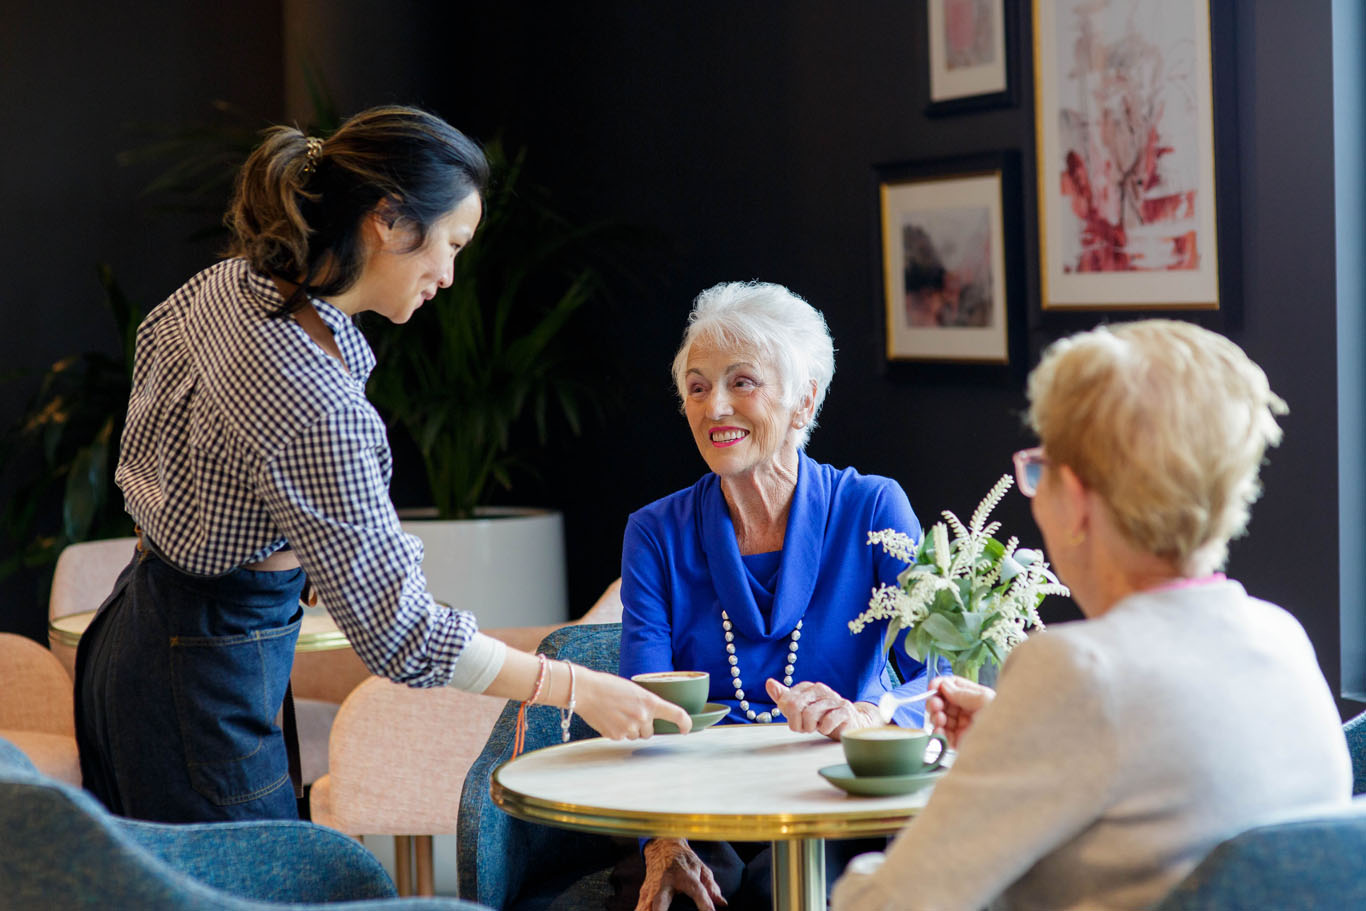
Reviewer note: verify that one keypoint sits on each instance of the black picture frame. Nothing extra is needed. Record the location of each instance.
(948, 190)
(1006, 96)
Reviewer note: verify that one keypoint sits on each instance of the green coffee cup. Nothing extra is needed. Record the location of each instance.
(684, 688)
(890, 750)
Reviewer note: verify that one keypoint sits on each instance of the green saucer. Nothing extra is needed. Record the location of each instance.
(711, 713)
(878, 786)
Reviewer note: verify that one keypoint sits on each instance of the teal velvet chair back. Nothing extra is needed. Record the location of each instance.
(60, 848)
(1355, 730)
(509, 863)
(1318, 862)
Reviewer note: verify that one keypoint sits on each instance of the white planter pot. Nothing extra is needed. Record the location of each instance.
(506, 565)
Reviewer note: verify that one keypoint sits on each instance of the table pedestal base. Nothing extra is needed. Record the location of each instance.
(799, 874)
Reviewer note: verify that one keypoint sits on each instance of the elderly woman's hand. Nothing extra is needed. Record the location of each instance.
(671, 868)
(955, 702)
(815, 707)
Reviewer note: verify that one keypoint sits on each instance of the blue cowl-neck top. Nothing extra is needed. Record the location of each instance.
(681, 565)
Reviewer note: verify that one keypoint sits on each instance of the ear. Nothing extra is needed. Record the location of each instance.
(383, 226)
(1077, 502)
(806, 408)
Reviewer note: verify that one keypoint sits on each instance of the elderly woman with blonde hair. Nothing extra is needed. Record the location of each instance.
(1118, 750)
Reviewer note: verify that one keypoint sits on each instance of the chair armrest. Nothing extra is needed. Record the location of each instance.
(275, 861)
(1313, 862)
(38, 693)
(1355, 732)
(500, 856)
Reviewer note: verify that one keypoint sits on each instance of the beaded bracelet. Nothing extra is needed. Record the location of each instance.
(567, 714)
(542, 676)
(519, 739)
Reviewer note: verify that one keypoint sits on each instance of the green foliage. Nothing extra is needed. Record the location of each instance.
(486, 372)
(65, 447)
(969, 599)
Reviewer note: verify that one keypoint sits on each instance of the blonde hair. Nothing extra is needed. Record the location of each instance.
(773, 323)
(1168, 423)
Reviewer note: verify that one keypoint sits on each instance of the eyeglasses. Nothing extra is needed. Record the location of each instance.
(1029, 465)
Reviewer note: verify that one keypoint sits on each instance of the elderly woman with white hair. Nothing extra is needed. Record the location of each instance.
(753, 573)
(1118, 750)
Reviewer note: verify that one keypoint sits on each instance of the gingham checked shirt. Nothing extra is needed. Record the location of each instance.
(243, 436)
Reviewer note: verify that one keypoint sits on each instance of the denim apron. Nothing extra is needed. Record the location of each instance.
(179, 680)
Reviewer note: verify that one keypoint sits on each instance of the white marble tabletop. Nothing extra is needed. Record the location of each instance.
(745, 782)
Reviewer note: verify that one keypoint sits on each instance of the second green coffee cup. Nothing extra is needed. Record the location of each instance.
(890, 750)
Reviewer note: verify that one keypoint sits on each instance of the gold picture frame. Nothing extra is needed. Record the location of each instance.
(1127, 197)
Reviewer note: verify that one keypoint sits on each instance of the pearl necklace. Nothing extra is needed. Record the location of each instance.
(761, 717)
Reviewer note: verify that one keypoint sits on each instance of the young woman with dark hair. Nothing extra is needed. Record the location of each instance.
(251, 458)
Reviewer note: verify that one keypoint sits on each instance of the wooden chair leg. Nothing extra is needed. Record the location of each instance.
(403, 864)
(422, 850)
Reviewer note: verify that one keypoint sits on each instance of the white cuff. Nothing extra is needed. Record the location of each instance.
(480, 661)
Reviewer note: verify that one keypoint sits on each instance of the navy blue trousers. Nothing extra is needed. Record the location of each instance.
(179, 683)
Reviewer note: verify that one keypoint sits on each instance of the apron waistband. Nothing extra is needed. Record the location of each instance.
(278, 562)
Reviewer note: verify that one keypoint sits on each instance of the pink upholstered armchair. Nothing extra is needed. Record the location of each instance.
(398, 756)
(35, 708)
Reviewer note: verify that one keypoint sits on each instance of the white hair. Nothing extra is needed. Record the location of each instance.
(771, 322)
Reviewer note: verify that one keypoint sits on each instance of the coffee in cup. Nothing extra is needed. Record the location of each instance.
(890, 750)
(688, 689)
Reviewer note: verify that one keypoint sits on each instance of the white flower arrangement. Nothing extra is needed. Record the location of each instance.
(969, 599)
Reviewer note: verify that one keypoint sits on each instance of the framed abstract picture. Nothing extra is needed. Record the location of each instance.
(1126, 154)
(948, 258)
(970, 45)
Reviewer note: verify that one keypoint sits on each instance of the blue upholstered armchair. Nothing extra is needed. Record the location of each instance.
(1356, 745)
(59, 848)
(1314, 861)
(508, 863)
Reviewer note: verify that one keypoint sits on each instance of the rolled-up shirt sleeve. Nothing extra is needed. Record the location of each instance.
(327, 491)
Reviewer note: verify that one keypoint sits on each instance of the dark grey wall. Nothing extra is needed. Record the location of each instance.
(745, 133)
(740, 138)
(75, 80)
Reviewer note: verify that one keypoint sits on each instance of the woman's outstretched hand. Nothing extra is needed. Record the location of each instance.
(811, 707)
(619, 709)
(955, 702)
(614, 707)
(671, 868)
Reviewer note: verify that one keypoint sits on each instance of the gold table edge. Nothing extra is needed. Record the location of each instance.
(62, 636)
(717, 827)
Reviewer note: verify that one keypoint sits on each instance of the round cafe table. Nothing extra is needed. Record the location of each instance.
(742, 782)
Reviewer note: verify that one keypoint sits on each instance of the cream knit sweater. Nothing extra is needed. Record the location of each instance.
(1117, 753)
